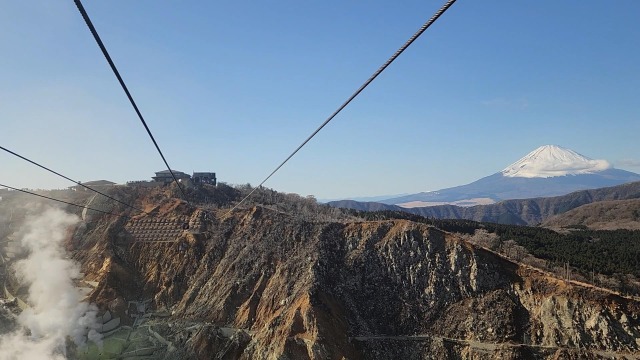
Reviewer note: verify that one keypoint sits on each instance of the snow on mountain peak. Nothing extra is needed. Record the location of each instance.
(552, 160)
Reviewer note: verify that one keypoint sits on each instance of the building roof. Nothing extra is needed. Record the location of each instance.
(167, 172)
(98, 183)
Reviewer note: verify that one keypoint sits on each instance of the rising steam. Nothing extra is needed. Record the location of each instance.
(56, 311)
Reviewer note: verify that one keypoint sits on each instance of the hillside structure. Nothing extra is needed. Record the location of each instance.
(165, 177)
(204, 178)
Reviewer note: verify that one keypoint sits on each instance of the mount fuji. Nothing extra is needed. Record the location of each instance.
(549, 170)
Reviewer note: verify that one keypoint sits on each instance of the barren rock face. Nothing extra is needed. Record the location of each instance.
(260, 284)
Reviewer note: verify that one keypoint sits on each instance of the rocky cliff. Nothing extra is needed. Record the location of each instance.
(260, 283)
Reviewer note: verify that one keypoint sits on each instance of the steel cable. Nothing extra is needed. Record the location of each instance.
(94, 32)
(62, 201)
(67, 178)
(355, 94)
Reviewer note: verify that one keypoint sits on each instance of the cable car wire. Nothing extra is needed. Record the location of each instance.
(62, 201)
(88, 208)
(67, 178)
(355, 94)
(94, 32)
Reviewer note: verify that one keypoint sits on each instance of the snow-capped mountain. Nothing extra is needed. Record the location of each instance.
(549, 170)
(552, 160)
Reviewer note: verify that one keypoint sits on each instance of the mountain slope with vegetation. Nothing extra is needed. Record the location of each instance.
(614, 253)
(521, 212)
(602, 215)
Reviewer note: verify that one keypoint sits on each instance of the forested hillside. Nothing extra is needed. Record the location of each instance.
(519, 211)
(614, 253)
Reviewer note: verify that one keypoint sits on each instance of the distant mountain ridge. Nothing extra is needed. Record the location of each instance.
(600, 215)
(531, 211)
(499, 187)
(549, 170)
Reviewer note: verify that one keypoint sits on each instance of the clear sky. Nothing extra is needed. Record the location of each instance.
(235, 86)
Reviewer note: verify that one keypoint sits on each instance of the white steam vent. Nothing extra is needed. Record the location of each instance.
(56, 311)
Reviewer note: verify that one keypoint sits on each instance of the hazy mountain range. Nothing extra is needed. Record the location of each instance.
(549, 170)
(535, 188)
(517, 211)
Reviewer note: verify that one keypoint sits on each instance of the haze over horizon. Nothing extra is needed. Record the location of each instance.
(234, 87)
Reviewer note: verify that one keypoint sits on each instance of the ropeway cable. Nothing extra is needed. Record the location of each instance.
(62, 201)
(67, 178)
(355, 94)
(94, 32)
(88, 208)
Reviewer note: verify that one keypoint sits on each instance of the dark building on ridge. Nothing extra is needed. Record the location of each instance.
(204, 178)
(164, 176)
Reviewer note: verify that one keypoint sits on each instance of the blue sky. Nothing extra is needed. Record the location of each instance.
(233, 87)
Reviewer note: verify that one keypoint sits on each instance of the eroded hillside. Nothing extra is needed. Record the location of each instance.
(265, 282)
